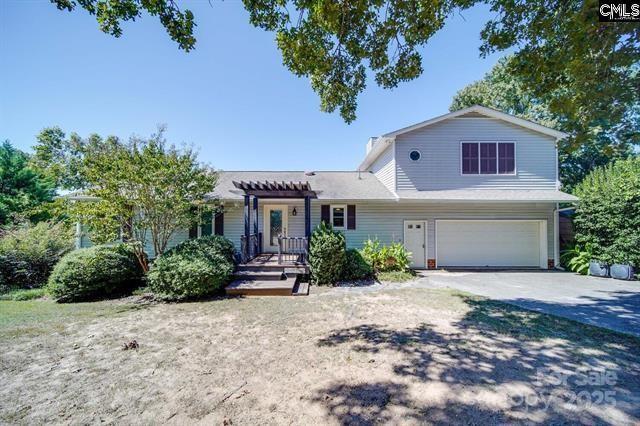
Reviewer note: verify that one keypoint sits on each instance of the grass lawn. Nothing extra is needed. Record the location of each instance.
(338, 356)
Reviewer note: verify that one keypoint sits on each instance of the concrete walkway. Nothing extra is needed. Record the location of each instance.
(603, 302)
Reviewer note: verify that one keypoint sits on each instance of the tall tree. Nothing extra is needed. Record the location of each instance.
(593, 142)
(560, 47)
(22, 190)
(145, 188)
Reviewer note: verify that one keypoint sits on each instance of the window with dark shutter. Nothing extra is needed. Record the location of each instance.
(325, 215)
(351, 216)
(219, 224)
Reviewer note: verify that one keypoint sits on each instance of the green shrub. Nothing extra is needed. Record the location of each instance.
(393, 257)
(608, 215)
(95, 272)
(577, 259)
(194, 268)
(355, 267)
(29, 253)
(327, 255)
(21, 295)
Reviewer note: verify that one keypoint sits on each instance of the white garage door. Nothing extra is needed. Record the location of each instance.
(491, 243)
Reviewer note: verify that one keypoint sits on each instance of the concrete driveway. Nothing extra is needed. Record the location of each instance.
(603, 302)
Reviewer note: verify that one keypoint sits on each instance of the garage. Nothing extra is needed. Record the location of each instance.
(491, 243)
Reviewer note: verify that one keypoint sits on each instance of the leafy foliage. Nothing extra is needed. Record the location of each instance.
(595, 139)
(393, 257)
(29, 253)
(356, 267)
(194, 268)
(22, 295)
(607, 217)
(563, 54)
(22, 189)
(327, 255)
(145, 189)
(95, 272)
(577, 259)
(178, 24)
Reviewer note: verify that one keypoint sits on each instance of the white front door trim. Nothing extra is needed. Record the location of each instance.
(266, 228)
(419, 261)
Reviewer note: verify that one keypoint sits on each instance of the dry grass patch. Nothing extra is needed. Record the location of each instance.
(394, 355)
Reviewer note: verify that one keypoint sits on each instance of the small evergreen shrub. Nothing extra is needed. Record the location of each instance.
(192, 269)
(356, 267)
(327, 255)
(29, 253)
(95, 272)
(607, 218)
(393, 257)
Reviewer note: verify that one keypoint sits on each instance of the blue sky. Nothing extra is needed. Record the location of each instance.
(231, 97)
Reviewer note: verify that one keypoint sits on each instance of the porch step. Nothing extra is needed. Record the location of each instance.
(261, 287)
(259, 275)
(301, 289)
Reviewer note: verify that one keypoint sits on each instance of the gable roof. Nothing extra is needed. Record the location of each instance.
(338, 185)
(383, 141)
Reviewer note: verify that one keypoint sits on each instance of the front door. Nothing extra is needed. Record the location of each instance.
(415, 241)
(275, 223)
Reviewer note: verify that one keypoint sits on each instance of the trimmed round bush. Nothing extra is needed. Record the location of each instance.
(94, 273)
(356, 267)
(194, 268)
(327, 254)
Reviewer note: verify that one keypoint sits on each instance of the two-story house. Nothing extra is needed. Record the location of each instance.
(472, 188)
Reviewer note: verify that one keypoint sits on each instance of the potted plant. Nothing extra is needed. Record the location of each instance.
(622, 271)
(598, 269)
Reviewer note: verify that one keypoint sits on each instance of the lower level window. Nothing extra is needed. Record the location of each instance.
(338, 216)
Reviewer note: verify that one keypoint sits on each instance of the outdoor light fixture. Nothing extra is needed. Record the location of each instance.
(294, 212)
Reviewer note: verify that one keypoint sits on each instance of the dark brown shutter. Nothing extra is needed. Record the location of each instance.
(325, 216)
(193, 231)
(218, 226)
(351, 216)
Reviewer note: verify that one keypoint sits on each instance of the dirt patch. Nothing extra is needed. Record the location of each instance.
(391, 355)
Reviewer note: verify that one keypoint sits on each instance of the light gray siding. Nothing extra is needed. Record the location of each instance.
(385, 220)
(176, 238)
(384, 168)
(440, 169)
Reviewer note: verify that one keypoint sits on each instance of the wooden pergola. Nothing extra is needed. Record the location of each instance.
(274, 189)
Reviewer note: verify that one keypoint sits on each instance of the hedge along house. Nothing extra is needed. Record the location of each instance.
(474, 188)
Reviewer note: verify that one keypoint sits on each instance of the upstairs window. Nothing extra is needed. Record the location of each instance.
(488, 158)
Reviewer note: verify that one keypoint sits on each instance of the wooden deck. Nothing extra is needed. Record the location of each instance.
(264, 276)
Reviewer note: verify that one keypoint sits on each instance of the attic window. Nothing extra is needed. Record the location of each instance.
(415, 155)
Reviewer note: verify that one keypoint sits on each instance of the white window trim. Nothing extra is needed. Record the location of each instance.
(496, 142)
(344, 209)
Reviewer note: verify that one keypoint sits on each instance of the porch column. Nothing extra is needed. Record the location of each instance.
(307, 216)
(247, 224)
(255, 222)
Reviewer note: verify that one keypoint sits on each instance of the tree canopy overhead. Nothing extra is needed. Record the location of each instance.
(560, 47)
(595, 139)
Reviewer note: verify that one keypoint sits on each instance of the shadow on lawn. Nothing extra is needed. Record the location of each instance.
(481, 371)
(615, 309)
